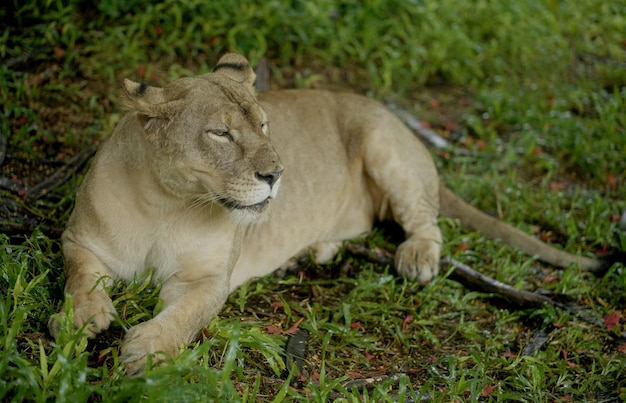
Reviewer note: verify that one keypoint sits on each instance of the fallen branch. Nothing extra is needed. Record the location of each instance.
(61, 175)
(470, 278)
(465, 275)
(426, 133)
(12, 186)
(3, 148)
(473, 279)
(375, 255)
(262, 71)
(15, 228)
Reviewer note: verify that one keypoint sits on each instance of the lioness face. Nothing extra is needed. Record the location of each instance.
(210, 143)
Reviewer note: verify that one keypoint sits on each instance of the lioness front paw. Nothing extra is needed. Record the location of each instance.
(418, 259)
(96, 310)
(143, 340)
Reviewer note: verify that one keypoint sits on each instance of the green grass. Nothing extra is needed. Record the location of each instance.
(532, 98)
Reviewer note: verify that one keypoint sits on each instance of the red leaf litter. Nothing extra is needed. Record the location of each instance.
(141, 71)
(611, 180)
(271, 329)
(510, 354)
(357, 325)
(611, 320)
(293, 329)
(550, 279)
(407, 320)
(277, 305)
(463, 246)
(567, 362)
(487, 390)
(59, 52)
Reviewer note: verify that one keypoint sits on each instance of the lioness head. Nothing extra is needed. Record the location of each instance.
(208, 138)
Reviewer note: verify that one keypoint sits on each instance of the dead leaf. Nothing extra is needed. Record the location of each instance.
(355, 374)
(141, 71)
(294, 328)
(550, 279)
(462, 247)
(357, 325)
(450, 126)
(487, 390)
(277, 305)
(611, 180)
(271, 329)
(408, 319)
(59, 52)
(510, 354)
(611, 320)
(556, 186)
(570, 364)
(546, 236)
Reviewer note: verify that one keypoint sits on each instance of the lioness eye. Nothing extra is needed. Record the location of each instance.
(225, 134)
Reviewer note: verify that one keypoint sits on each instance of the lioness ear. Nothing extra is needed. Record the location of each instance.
(237, 68)
(143, 93)
(149, 103)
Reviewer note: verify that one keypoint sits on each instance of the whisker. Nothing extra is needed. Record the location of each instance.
(202, 201)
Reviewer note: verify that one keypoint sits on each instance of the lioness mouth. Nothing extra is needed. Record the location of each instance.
(235, 205)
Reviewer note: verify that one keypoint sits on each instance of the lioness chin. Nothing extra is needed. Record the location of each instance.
(188, 185)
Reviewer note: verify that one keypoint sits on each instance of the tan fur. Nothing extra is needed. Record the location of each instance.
(188, 185)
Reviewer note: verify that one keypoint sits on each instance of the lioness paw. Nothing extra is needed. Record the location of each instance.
(96, 311)
(143, 340)
(418, 259)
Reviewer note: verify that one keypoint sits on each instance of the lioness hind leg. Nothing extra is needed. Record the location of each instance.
(85, 281)
(322, 252)
(402, 169)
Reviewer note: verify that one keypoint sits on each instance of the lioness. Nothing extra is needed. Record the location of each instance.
(188, 185)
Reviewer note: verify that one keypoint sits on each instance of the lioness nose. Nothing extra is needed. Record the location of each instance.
(270, 177)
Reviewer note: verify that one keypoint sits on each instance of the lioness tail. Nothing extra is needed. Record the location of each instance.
(475, 220)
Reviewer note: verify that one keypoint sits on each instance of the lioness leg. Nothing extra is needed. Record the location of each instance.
(86, 277)
(189, 305)
(402, 169)
(322, 252)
